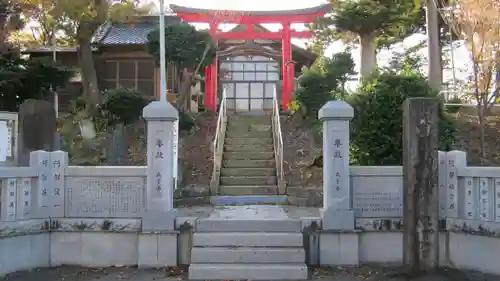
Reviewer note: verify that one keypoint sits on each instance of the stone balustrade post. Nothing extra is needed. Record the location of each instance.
(337, 213)
(160, 214)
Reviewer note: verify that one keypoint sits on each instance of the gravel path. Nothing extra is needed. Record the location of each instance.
(364, 273)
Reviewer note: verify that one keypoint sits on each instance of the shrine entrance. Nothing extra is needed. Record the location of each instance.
(250, 82)
(246, 91)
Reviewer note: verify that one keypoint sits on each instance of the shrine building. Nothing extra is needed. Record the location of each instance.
(247, 64)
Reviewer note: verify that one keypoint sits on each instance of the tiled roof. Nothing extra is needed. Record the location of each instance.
(123, 35)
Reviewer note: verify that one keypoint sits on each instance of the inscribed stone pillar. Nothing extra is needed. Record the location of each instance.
(58, 164)
(454, 160)
(337, 213)
(160, 214)
(40, 160)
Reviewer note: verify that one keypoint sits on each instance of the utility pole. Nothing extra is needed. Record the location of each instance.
(54, 59)
(433, 47)
(163, 63)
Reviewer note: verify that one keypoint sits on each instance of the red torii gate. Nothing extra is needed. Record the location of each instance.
(251, 18)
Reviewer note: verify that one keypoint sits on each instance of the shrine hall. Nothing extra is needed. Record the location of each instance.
(252, 61)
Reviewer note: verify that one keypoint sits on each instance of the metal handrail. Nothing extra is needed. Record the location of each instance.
(278, 138)
(217, 145)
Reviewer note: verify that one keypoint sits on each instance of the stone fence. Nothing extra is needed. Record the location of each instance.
(53, 214)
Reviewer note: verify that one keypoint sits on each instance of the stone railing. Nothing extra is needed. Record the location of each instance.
(364, 197)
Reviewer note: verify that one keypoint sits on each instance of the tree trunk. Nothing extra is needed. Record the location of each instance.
(184, 100)
(91, 91)
(433, 50)
(368, 54)
(481, 112)
(497, 74)
(3, 33)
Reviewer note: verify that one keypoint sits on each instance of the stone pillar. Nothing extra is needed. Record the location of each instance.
(420, 185)
(337, 213)
(159, 215)
(40, 160)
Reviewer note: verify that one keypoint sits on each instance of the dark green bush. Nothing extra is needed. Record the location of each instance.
(122, 106)
(376, 129)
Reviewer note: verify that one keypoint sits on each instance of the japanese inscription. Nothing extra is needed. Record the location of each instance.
(11, 199)
(58, 161)
(159, 162)
(45, 179)
(484, 204)
(443, 200)
(470, 202)
(105, 197)
(158, 181)
(175, 150)
(26, 196)
(497, 200)
(452, 192)
(378, 197)
(10, 132)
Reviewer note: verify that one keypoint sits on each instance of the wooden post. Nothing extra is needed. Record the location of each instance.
(420, 173)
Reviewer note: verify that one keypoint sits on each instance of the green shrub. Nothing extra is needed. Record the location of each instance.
(376, 129)
(122, 106)
(453, 108)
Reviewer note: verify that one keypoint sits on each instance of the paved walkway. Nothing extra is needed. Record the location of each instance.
(365, 273)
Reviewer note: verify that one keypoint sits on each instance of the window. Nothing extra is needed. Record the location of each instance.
(137, 74)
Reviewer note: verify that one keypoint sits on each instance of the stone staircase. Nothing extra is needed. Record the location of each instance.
(248, 166)
(248, 248)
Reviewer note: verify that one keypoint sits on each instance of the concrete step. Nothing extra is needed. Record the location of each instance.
(214, 271)
(247, 172)
(247, 239)
(249, 148)
(266, 255)
(248, 141)
(248, 155)
(242, 200)
(238, 190)
(243, 180)
(249, 163)
(248, 225)
(248, 134)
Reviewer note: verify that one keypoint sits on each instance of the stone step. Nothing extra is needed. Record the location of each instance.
(215, 271)
(249, 163)
(248, 134)
(243, 180)
(247, 239)
(248, 155)
(238, 127)
(250, 119)
(248, 141)
(238, 190)
(248, 225)
(247, 172)
(249, 148)
(266, 255)
(243, 200)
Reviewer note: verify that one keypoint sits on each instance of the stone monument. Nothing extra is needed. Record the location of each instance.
(337, 213)
(160, 117)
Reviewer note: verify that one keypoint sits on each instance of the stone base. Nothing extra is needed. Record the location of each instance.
(156, 221)
(338, 248)
(157, 249)
(340, 220)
